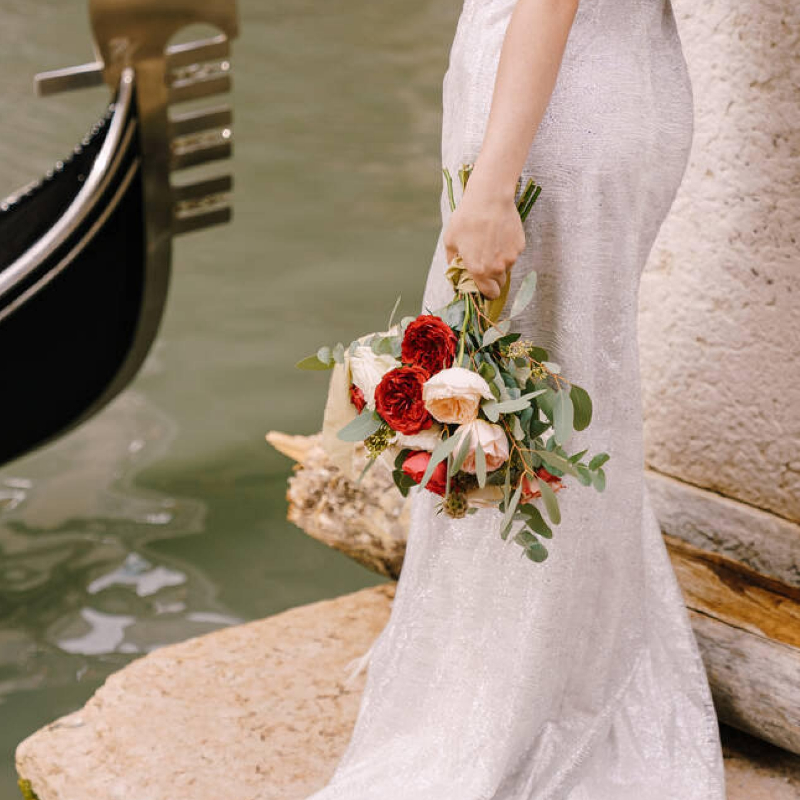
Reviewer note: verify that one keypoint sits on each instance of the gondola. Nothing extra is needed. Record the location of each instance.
(85, 253)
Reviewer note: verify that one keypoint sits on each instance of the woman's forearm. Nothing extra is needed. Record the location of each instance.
(530, 58)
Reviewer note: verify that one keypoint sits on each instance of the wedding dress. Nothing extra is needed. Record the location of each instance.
(578, 678)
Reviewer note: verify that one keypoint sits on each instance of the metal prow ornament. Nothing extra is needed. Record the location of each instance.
(85, 253)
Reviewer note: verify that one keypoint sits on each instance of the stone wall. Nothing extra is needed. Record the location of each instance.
(720, 299)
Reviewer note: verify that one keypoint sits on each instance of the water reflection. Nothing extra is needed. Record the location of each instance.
(164, 516)
(78, 575)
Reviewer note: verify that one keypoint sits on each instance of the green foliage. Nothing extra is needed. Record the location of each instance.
(524, 294)
(440, 453)
(550, 501)
(562, 416)
(358, 429)
(583, 407)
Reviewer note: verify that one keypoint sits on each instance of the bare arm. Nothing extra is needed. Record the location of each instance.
(485, 228)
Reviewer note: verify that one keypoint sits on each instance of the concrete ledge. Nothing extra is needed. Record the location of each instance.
(260, 712)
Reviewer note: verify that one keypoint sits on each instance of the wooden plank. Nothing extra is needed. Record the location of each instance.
(747, 625)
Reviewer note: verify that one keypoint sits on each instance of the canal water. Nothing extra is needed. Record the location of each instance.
(164, 516)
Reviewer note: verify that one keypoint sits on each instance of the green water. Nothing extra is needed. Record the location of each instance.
(164, 517)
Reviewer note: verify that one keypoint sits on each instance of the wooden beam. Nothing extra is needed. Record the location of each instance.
(747, 625)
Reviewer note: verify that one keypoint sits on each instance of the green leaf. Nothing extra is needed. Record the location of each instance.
(583, 407)
(576, 457)
(358, 429)
(487, 371)
(313, 363)
(584, 476)
(440, 453)
(461, 454)
(599, 480)
(557, 461)
(599, 460)
(535, 521)
(508, 516)
(324, 354)
(562, 417)
(546, 402)
(524, 294)
(394, 311)
(493, 409)
(536, 552)
(480, 465)
(496, 332)
(550, 501)
(370, 462)
(401, 457)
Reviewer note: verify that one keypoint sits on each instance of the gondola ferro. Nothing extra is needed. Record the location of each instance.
(85, 253)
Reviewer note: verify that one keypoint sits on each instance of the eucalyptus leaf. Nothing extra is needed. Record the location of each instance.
(584, 476)
(510, 509)
(536, 552)
(325, 355)
(313, 363)
(480, 465)
(550, 501)
(583, 407)
(557, 461)
(562, 416)
(599, 480)
(359, 428)
(535, 521)
(338, 353)
(461, 453)
(546, 402)
(575, 458)
(367, 466)
(524, 294)
(494, 333)
(599, 460)
(440, 453)
(394, 311)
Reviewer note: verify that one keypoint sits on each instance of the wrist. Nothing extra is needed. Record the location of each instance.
(494, 178)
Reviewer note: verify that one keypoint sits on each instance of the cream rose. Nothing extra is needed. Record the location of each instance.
(454, 395)
(367, 369)
(424, 440)
(492, 439)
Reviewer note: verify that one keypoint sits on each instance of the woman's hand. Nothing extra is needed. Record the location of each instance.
(486, 231)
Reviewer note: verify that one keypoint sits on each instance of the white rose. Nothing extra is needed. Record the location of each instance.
(424, 440)
(454, 395)
(367, 369)
(492, 439)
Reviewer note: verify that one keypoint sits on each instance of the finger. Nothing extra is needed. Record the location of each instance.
(489, 287)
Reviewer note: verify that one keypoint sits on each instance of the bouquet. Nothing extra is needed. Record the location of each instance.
(461, 406)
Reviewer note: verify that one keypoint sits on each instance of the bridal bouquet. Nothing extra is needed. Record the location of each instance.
(463, 407)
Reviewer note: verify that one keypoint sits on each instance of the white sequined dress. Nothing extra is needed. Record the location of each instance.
(579, 678)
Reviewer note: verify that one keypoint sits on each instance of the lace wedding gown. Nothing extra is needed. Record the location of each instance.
(579, 678)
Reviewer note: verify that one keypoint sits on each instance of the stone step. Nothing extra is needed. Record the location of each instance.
(259, 711)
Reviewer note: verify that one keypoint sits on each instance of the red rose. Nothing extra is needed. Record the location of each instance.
(398, 399)
(430, 343)
(357, 398)
(530, 489)
(415, 465)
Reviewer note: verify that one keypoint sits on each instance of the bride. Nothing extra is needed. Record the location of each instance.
(578, 678)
